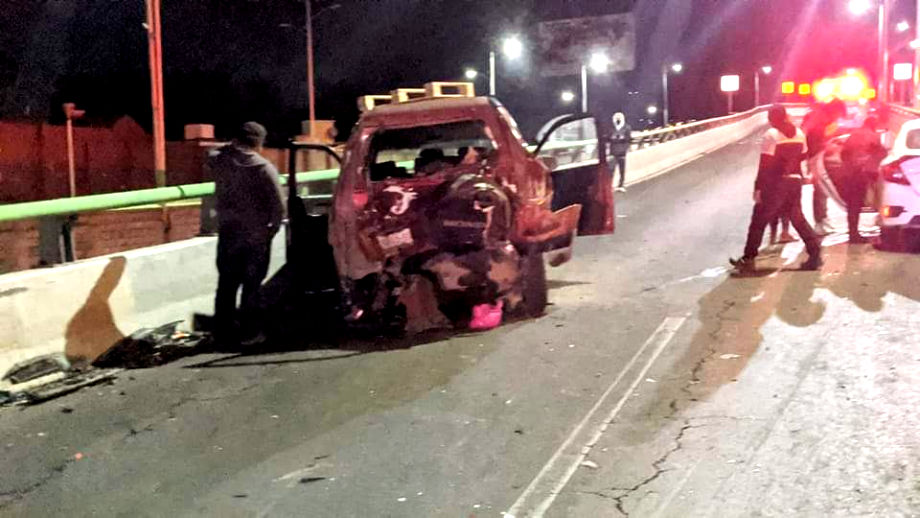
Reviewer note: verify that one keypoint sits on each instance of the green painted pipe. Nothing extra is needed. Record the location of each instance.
(118, 200)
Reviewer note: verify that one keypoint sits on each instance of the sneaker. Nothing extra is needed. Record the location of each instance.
(743, 264)
(813, 263)
(859, 239)
(621, 189)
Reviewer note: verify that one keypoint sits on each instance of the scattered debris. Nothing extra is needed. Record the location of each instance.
(590, 464)
(78, 456)
(730, 356)
(401, 499)
(66, 410)
(310, 480)
(38, 367)
(519, 431)
(650, 380)
(151, 347)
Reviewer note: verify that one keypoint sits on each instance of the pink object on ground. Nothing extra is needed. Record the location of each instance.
(486, 316)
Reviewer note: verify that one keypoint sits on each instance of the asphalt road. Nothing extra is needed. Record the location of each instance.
(656, 385)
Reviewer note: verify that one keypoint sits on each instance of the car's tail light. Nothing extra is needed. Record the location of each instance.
(891, 211)
(892, 173)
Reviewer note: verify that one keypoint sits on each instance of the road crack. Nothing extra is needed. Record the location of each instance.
(626, 492)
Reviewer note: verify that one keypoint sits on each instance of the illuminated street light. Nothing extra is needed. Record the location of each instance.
(903, 26)
(567, 96)
(665, 114)
(765, 70)
(652, 109)
(512, 47)
(470, 73)
(860, 7)
(599, 62)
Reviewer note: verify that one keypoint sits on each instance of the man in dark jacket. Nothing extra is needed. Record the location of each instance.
(778, 190)
(249, 213)
(620, 140)
(861, 155)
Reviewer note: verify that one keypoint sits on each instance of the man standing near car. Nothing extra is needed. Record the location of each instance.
(862, 153)
(620, 140)
(249, 213)
(778, 191)
(819, 125)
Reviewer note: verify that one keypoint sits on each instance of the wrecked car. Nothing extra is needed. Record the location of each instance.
(440, 212)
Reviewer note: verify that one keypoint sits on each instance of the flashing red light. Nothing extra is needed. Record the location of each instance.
(804, 89)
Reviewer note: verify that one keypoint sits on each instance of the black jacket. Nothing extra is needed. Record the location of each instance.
(248, 194)
(620, 140)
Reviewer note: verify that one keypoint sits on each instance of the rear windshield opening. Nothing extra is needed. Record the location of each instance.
(913, 139)
(423, 150)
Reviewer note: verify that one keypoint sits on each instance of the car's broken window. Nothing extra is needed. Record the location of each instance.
(423, 150)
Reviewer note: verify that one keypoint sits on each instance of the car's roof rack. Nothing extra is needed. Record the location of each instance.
(432, 90)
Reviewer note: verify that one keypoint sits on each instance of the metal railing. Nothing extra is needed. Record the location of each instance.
(565, 153)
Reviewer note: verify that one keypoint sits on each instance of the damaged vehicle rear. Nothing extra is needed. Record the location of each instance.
(441, 217)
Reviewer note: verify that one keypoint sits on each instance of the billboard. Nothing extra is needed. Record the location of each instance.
(565, 45)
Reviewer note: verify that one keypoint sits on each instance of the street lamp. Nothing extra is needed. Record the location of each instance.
(652, 109)
(598, 62)
(665, 70)
(567, 96)
(765, 70)
(311, 93)
(470, 73)
(903, 25)
(513, 49)
(860, 7)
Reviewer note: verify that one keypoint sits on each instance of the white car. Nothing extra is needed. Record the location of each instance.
(899, 190)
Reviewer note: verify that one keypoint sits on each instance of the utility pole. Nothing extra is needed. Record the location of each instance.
(156, 91)
(71, 112)
(310, 90)
(915, 100)
(492, 71)
(884, 9)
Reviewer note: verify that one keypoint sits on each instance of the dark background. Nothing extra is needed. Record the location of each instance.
(227, 61)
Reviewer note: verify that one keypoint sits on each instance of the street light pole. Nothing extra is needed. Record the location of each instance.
(311, 95)
(883, 14)
(156, 91)
(665, 109)
(584, 88)
(492, 72)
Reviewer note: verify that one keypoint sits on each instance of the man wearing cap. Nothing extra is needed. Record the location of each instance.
(249, 213)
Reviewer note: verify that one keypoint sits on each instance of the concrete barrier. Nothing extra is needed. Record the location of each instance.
(83, 308)
(648, 162)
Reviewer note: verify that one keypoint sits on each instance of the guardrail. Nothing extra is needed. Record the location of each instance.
(565, 152)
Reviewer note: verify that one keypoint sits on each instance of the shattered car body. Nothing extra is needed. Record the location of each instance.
(439, 209)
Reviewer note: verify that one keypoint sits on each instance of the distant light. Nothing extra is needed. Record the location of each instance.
(860, 7)
(903, 26)
(851, 71)
(599, 62)
(512, 47)
(652, 109)
(903, 71)
(915, 44)
(677, 68)
(824, 90)
(788, 87)
(871, 93)
(730, 83)
(767, 69)
(567, 96)
(804, 89)
(470, 73)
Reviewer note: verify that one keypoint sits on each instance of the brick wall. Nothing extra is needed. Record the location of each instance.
(101, 233)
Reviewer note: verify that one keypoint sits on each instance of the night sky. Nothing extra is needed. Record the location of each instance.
(227, 61)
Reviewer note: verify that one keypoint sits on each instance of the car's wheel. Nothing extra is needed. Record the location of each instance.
(533, 285)
(891, 239)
